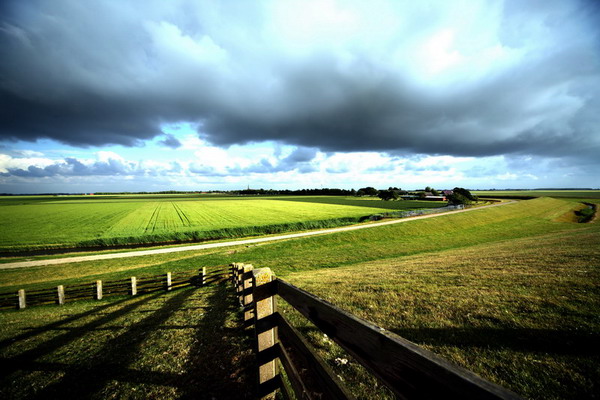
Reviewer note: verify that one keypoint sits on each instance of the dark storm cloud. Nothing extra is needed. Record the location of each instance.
(110, 72)
(170, 141)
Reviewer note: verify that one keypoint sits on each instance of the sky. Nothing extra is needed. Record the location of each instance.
(110, 95)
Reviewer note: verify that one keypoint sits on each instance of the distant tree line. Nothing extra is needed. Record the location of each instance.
(301, 192)
(456, 196)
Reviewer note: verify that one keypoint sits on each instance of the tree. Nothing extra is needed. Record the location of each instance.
(369, 191)
(461, 196)
(388, 194)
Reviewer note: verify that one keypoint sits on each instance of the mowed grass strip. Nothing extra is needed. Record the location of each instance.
(523, 313)
(98, 222)
(183, 344)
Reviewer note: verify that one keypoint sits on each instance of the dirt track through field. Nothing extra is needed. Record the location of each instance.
(66, 260)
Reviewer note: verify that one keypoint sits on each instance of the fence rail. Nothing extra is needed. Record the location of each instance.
(408, 370)
(99, 289)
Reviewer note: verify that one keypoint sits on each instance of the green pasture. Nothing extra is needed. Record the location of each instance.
(575, 194)
(46, 222)
(510, 292)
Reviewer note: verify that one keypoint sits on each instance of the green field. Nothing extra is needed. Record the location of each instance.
(511, 292)
(39, 222)
(576, 194)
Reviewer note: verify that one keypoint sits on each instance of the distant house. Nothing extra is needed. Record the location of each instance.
(448, 192)
(435, 198)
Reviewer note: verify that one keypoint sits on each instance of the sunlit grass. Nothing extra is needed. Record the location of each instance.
(523, 313)
(51, 223)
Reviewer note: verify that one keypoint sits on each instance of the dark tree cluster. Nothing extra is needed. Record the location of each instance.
(301, 192)
(461, 196)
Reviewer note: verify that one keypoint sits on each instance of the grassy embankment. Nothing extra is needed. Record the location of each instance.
(575, 194)
(38, 222)
(510, 292)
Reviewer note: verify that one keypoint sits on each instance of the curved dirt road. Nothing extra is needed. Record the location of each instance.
(66, 260)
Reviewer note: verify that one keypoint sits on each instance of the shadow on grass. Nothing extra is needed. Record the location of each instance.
(218, 357)
(56, 325)
(221, 362)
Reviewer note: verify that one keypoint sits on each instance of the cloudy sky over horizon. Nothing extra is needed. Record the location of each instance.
(208, 95)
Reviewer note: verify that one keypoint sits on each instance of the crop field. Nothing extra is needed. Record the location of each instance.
(511, 293)
(84, 221)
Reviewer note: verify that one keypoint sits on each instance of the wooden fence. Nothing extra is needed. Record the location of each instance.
(100, 289)
(408, 370)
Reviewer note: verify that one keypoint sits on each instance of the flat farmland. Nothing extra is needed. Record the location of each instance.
(38, 222)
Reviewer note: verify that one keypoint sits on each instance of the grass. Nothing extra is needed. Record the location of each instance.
(578, 194)
(523, 313)
(517, 220)
(509, 292)
(38, 223)
(182, 344)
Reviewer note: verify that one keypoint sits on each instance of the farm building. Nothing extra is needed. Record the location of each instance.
(435, 198)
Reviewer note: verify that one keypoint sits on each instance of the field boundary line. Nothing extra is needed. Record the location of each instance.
(67, 260)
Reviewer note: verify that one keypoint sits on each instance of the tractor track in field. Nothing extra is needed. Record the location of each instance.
(66, 260)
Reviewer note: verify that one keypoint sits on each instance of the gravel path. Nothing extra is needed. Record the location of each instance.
(38, 263)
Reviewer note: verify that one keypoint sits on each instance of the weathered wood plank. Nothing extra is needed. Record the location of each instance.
(293, 375)
(328, 384)
(407, 369)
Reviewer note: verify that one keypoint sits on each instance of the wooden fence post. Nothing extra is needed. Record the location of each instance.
(133, 286)
(168, 287)
(98, 290)
(247, 281)
(22, 303)
(266, 335)
(240, 283)
(61, 295)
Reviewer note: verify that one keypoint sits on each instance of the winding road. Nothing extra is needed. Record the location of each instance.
(175, 249)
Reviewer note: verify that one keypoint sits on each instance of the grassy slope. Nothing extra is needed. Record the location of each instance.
(579, 194)
(30, 223)
(523, 313)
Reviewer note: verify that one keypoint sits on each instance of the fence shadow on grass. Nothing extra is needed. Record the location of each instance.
(221, 361)
(218, 354)
(58, 324)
